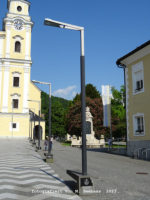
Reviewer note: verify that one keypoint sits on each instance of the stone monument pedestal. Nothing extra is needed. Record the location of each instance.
(91, 141)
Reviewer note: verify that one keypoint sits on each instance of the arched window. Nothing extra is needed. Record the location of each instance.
(17, 46)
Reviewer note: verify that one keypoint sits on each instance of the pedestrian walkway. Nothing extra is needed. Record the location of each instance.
(25, 176)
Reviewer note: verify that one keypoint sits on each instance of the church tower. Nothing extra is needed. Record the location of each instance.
(15, 66)
(15, 56)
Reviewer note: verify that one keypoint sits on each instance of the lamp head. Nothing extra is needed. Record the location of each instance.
(51, 23)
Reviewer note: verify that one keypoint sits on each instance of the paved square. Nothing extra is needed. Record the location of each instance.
(24, 174)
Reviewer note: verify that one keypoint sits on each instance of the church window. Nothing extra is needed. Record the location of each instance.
(14, 125)
(19, 8)
(15, 103)
(16, 82)
(17, 46)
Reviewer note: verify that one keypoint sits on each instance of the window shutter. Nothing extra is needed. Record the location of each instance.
(138, 75)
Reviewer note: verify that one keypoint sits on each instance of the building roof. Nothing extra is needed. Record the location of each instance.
(36, 117)
(118, 62)
(35, 86)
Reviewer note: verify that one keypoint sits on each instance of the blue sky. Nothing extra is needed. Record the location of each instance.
(112, 29)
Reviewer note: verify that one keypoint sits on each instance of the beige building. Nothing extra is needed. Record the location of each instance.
(15, 71)
(136, 66)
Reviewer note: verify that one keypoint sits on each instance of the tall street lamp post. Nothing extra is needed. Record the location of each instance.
(39, 124)
(34, 126)
(12, 104)
(85, 180)
(49, 155)
(30, 126)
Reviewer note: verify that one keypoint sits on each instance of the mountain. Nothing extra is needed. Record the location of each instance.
(45, 101)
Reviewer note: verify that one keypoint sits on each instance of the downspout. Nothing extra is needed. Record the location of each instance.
(123, 67)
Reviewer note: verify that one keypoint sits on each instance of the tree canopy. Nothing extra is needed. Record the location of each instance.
(90, 91)
(57, 119)
(73, 118)
(45, 101)
(118, 108)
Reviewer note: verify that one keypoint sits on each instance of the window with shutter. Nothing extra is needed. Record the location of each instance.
(17, 47)
(138, 78)
(16, 82)
(140, 125)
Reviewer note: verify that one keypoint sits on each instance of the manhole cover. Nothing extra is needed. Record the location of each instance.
(141, 173)
(96, 177)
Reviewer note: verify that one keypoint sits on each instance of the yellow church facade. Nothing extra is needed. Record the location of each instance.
(15, 72)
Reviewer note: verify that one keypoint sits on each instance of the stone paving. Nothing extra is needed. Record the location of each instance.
(116, 176)
(25, 176)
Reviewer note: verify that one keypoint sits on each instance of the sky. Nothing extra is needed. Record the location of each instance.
(112, 28)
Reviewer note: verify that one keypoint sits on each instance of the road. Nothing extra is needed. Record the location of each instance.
(112, 173)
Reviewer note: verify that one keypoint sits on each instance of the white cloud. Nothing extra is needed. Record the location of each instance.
(65, 93)
(73, 94)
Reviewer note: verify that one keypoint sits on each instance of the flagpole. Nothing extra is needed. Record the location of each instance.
(110, 117)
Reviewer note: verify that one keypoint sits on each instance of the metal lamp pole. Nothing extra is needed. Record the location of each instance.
(29, 125)
(39, 123)
(12, 116)
(50, 22)
(34, 81)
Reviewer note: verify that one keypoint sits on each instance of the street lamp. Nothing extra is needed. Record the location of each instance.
(12, 104)
(39, 123)
(30, 125)
(34, 81)
(34, 126)
(58, 24)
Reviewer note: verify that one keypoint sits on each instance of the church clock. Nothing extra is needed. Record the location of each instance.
(18, 25)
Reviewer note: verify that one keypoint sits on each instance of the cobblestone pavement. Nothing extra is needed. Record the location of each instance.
(114, 175)
(25, 176)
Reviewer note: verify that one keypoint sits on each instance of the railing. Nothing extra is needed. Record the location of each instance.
(117, 139)
(141, 153)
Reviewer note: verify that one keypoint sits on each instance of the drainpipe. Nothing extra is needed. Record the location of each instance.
(123, 67)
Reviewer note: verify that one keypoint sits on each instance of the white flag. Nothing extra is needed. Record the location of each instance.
(106, 92)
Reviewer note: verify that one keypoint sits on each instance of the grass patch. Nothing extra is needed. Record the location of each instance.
(66, 143)
(116, 146)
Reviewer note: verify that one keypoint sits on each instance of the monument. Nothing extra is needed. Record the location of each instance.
(91, 141)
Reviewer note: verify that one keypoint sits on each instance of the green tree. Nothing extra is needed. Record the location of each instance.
(118, 108)
(90, 91)
(45, 101)
(57, 119)
(73, 118)
(77, 98)
(117, 102)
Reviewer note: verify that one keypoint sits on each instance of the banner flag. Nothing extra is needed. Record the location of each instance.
(106, 98)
